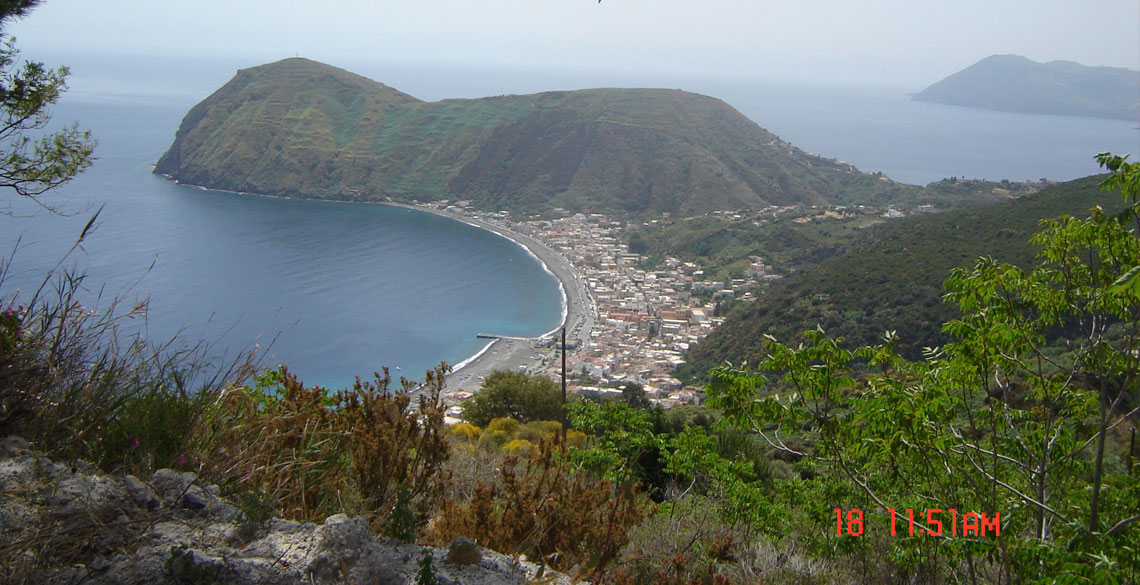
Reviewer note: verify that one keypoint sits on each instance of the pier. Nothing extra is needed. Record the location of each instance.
(507, 337)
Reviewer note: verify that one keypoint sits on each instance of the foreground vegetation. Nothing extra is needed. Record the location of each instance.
(994, 422)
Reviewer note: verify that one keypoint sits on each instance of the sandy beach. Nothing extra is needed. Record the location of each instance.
(535, 353)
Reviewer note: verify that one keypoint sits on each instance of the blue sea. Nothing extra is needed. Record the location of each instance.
(336, 290)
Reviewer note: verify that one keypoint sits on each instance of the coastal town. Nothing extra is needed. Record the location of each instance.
(625, 323)
(629, 318)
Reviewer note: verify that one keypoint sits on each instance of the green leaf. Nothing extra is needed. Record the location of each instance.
(1128, 283)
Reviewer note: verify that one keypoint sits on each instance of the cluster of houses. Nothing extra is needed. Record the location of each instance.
(642, 319)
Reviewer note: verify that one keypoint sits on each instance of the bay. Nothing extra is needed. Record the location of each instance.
(336, 289)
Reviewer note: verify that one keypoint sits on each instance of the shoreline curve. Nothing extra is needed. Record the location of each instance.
(514, 353)
(578, 311)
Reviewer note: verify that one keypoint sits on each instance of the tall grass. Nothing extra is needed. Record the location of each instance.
(79, 378)
(320, 452)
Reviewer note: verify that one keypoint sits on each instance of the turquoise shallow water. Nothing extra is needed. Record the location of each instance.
(343, 288)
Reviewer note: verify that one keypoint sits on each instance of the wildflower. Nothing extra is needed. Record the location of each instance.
(134, 443)
(181, 459)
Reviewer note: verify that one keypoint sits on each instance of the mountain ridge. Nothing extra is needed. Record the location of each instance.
(301, 128)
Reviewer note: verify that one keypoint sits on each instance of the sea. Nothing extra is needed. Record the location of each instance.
(339, 290)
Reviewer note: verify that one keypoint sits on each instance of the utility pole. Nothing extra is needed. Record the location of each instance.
(564, 423)
(1131, 450)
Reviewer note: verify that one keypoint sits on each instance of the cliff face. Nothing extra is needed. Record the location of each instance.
(1015, 84)
(301, 128)
(69, 523)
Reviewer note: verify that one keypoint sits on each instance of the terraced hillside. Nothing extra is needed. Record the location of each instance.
(301, 128)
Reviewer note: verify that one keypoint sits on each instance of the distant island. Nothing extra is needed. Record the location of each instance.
(1011, 83)
(305, 129)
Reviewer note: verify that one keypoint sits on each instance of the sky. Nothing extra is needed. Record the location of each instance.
(877, 42)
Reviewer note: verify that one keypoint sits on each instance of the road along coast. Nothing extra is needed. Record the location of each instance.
(534, 354)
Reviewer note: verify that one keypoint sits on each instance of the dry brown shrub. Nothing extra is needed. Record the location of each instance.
(395, 447)
(689, 541)
(318, 453)
(288, 446)
(540, 507)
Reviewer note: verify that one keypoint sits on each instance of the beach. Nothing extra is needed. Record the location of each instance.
(524, 353)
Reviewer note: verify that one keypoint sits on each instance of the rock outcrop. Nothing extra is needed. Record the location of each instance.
(70, 523)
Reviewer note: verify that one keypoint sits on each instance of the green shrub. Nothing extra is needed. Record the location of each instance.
(517, 395)
(464, 432)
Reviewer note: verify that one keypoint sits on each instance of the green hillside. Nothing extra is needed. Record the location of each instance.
(305, 129)
(1015, 84)
(891, 277)
(790, 240)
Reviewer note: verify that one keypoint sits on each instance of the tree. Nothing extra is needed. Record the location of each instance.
(10, 9)
(633, 394)
(637, 243)
(517, 395)
(1021, 415)
(31, 161)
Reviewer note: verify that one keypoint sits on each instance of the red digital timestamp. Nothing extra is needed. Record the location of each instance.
(932, 521)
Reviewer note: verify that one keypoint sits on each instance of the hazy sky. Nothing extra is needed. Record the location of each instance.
(912, 42)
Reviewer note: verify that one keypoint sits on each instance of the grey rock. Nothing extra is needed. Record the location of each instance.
(14, 447)
(175, 530)
(171, 484)
(140, 493)
(193, 501)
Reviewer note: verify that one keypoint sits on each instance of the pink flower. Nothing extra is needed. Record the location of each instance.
(181, 459)
(134, 443)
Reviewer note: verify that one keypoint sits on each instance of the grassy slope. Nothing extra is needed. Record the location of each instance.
(301, 128)
(891, 277)
(279, 121)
